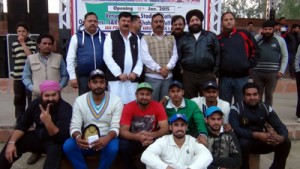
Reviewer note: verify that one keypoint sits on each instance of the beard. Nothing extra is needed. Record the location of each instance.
(195, 28)
(143, 103)
(53, 105)
(98, 91)
(267, 36)
(179, 136)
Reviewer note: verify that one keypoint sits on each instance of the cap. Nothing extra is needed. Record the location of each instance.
(48, 85)
(176, 117)
(176, 83)
(144, 85)
(95, 73)
(210, 84)
(211, 110)
(268, 23)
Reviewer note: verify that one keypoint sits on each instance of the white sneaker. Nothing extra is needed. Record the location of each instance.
(298, 120)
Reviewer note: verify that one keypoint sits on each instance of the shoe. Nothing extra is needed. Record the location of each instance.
(298, 120)
(33, 158)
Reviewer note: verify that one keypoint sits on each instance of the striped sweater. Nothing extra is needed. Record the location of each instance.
(20, 57)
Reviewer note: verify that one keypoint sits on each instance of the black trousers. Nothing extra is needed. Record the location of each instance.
(252, 146)
(30, 143)
(21, 93)
(297, 75)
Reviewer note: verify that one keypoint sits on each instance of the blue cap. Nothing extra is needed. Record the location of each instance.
(211, 110)
(176, 83)
(178, 116)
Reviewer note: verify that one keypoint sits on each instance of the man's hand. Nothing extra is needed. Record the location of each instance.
(144, 138)
(21, 39)
(164, 72)
(279, 75)
(202, 139)
(10, 152)
(262, 136)
(163, 101)
(100, 143)
(45, 116)
(227, 127)
(83, 144)
(275, 139)
(123, 77)
(132, 76)
(74, 83)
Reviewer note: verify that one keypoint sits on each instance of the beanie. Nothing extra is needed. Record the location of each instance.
(268, 23)
(194, 12)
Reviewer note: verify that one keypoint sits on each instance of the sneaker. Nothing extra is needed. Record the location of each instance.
(33, 158)
(298, 120)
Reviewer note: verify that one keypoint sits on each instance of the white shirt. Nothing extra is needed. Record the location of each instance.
(171, 105)
(151, 64)
(164, 152)
(125, 90)
(223, 105)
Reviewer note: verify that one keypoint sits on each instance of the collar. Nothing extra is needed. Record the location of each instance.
(172, 141)
(171, 105)
(231, 33)
(129, 35)
(93, 33)
(152, 34)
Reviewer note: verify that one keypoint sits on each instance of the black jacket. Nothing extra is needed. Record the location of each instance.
(199, 55)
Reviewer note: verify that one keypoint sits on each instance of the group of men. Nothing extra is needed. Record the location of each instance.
(114, 113)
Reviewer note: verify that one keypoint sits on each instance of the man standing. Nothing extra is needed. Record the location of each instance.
(176, 150)
(22, 48)
(177, 29)
(223, 145)
(122, 57)
(271, 62)
(142, 121)
(159, 54)
(180, 105)
(51, 116)
(258, 128)
(198, 55)
(136, 25)
(238, 53)
(85, 53)
(44, 65)
(210, 98)
(101, 109)
(250, 28)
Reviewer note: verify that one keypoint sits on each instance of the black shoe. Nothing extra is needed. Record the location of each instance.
(33, 158)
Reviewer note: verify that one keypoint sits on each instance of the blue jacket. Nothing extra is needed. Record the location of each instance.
(89, 52)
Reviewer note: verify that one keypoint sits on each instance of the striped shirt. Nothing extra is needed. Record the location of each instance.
(20, 57)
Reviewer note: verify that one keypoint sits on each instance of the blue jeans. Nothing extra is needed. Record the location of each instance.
(76, 155)
(232, 87)
(160, 87)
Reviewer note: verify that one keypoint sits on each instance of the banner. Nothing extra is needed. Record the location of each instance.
(108, 11)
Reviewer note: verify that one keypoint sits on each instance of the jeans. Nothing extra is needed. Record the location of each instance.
(128, 150)
(83, 85)
(76, 155)
(160, 87)
(21, 93)
(251, 146)
(193, 83)
(266, 83)
(30, 143)
(232, 87)
(298, 94)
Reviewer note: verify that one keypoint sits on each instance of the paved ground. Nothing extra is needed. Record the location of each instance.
(284, 104)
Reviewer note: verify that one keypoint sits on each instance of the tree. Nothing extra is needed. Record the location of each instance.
(290, 9)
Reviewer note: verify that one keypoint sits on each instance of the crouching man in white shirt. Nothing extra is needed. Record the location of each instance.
(177, 150)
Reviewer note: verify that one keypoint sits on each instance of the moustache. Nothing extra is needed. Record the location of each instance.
(158, 27)
(126, 26)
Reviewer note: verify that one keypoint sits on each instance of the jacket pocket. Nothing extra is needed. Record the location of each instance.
(35, 67)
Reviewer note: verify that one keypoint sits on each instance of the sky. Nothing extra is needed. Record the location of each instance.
(53, 6)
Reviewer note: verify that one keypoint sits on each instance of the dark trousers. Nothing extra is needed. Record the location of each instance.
(130, 149)
(83, 85)
(193, 83)
(298, 94)
(30, 143)
(251, 146)
(21, 93)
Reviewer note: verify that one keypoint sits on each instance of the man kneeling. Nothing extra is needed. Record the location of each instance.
(52, 116)
(177, 150)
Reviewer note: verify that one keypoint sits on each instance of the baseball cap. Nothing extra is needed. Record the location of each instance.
(144, 85)
(176, 83)
(96, 72)
(210, 84)
(211, 110)
(176, 117)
